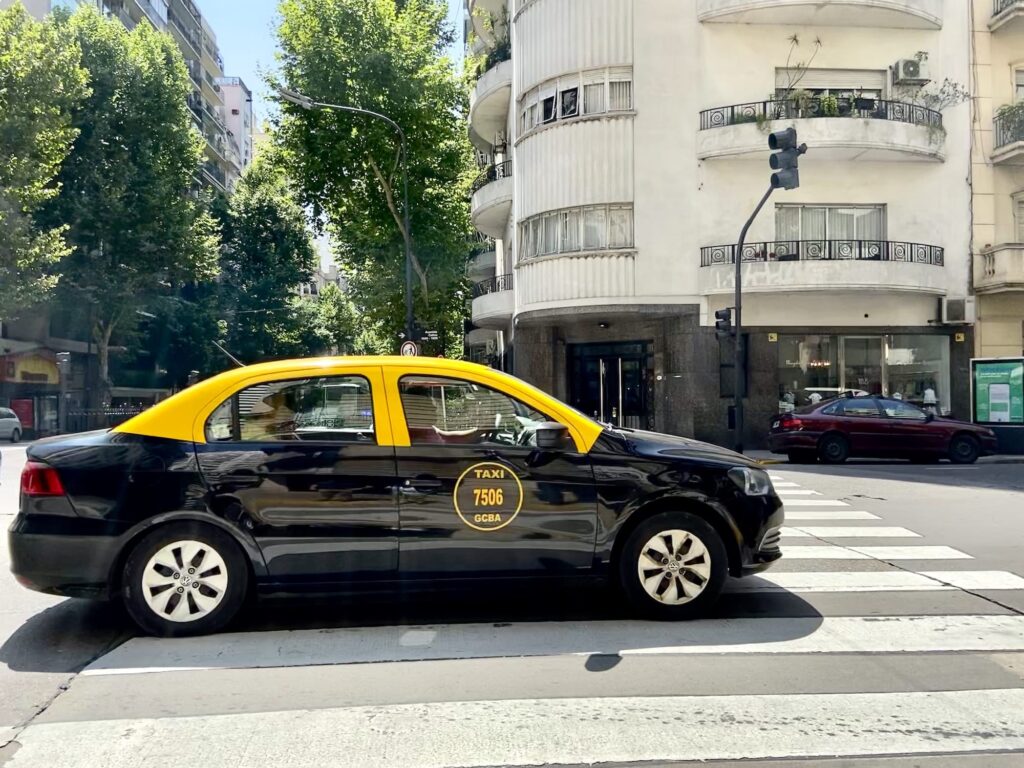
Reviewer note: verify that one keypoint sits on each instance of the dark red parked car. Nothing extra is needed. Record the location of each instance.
(876, 426)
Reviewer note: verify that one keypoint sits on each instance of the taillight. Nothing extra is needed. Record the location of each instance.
(40, 480)
(789, 421)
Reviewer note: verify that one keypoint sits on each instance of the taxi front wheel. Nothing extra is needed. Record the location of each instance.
(673, 566)
(184, 579)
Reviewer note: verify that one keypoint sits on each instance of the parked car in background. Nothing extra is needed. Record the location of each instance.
(881, 427)
(10, 425)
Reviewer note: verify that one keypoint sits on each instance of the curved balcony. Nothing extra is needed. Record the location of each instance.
(1007, 15)
(481, 265)
(493, 302)
(575, 283)
(839, 129)
(492, 200)
(903, 14)
(824, 265)
(488, 13)
(489, 102)
(999, 269)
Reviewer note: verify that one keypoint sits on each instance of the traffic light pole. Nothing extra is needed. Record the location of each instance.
(739, 367)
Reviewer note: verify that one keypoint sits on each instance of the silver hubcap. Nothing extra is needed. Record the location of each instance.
(184, 581)
(674, 567)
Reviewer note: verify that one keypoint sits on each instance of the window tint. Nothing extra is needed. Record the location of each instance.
(899, 410)
(457, 412)
(857, 407)
(332, 409)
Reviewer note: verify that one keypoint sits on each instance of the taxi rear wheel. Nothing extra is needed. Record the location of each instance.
(673, 566)
(184, 579)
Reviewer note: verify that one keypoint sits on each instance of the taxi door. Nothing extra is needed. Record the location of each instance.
(307, 462)
(475, 497)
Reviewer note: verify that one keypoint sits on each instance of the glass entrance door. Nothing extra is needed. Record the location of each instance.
(610, 383)
(863, 364)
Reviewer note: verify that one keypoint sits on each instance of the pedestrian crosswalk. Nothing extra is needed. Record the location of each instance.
(868, 639)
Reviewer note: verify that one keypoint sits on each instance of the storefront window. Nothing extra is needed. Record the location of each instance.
(914, 368)
(918, 370)
(808, 370)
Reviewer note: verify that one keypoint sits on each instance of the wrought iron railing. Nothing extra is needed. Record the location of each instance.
(825, 250)
(491, 173)
(998, 6)
(820, 106)
(1008, 128)
(492, 285)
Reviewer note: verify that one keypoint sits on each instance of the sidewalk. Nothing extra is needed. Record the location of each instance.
(766, 457)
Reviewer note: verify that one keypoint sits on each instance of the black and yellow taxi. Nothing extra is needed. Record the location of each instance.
(338, 475)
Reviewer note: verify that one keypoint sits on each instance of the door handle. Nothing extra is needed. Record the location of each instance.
(421, 485)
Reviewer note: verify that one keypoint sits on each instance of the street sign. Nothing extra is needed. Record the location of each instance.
(430, 335)
(409, 349)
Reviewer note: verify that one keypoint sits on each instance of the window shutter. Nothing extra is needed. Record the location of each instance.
(833, 79)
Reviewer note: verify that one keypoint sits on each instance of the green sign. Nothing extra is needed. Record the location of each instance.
(998, 391)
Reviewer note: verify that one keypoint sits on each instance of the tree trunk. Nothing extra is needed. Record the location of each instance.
(389, 196)
(100, 396)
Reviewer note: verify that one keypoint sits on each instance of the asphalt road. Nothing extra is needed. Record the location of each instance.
(892, 633)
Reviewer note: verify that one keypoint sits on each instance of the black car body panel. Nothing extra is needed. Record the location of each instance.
(315, 517)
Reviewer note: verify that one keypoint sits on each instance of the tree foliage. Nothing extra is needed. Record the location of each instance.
(390, 58)
(136, 231)
(267, 254)
(41, 81)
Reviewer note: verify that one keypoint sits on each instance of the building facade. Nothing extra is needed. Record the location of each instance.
(625, 144)
(997, 172)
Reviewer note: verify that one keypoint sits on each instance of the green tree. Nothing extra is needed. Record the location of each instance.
(136, 231)
(268, 253)
(41, 81)
(388, 57)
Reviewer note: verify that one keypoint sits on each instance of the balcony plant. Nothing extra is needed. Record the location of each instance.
(829, 106)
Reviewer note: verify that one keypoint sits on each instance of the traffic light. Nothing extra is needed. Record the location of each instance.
(785, 158)
(723, 322)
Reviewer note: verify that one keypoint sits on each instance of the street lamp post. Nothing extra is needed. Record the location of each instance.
(300, 100)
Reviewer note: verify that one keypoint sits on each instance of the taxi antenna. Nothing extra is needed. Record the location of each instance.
(230, 357)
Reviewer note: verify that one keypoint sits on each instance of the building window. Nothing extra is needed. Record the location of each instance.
(603, 91)
(571, 230)
(1018, 215)
(830, 222)
(841, 83)
(1018, 85)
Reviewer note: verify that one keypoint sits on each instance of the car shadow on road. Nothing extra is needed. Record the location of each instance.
(66, 637)
(584, 620)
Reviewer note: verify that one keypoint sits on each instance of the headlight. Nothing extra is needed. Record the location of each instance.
(753, 482)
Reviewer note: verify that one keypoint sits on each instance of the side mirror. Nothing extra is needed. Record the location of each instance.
(552, 436)
(929, 416)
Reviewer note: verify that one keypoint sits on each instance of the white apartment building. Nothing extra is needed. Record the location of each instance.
(238, 119)
(626, 143)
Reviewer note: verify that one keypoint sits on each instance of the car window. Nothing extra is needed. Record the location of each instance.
(6, 414)
(898, 410)
(441, 410)
(330, 408)
(857, 407)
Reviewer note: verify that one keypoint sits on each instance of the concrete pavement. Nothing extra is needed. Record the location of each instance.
(893, 627)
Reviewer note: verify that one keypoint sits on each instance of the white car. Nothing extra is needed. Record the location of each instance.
(10, 425)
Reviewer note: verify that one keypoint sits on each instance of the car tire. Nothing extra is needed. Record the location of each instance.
(15, 435)
(801, 457)
(673, 536)
(833, 449)
(964, 449)
(172, 560)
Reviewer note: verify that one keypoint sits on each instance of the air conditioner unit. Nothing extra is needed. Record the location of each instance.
(957, 311)
(910, 72)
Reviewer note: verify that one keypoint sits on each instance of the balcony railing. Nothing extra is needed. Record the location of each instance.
(492, 285)
(824, 250)
(783, 109)
(491, 173)
(998, 6)
(1008, 129)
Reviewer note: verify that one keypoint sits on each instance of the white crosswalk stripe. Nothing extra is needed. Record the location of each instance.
(914, 607)
(849, 532)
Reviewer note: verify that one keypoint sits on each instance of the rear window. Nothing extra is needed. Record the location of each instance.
(327, 409)
(853, 407)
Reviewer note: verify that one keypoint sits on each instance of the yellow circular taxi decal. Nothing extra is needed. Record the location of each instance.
(488, 496)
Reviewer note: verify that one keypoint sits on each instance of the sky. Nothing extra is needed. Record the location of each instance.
(245, 34)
